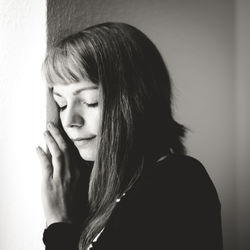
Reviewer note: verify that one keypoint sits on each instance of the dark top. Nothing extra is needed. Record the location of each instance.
(174, 206)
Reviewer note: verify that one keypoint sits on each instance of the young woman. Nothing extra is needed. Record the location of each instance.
(116, 176)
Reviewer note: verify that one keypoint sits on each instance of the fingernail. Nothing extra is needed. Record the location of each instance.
(50, 125)
(45, 133)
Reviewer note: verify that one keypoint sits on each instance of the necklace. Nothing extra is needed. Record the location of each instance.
(98, 235)
(117, 201)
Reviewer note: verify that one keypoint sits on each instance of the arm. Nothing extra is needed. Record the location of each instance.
(61, 236)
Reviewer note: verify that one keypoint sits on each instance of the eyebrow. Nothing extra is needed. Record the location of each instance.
(78, 90)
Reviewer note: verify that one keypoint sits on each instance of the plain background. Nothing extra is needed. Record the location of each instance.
(22, 109)
(205, 45)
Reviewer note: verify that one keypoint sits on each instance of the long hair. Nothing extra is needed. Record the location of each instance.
(137, 122)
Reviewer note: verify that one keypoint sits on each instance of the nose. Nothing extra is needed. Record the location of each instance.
(72, 118)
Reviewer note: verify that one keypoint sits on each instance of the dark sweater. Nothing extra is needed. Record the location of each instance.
(174, 206)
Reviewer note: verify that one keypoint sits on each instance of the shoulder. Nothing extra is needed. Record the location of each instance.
(183, 175)
(179, 164)
(178, 182)
(187, 176)
(174, 199)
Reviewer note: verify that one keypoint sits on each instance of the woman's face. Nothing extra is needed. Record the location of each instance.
(80, 114)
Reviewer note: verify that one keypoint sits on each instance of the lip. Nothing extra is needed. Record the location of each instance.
(82, 141)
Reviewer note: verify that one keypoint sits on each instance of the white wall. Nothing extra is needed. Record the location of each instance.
(22, 109)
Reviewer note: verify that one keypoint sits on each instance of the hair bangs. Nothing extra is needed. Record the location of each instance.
(68, 63)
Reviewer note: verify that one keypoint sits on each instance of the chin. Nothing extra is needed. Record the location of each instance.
(87, 155)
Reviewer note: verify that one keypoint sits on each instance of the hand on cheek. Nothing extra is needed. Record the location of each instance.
(59, 179)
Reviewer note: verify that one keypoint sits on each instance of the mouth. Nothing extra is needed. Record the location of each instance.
(82, 141)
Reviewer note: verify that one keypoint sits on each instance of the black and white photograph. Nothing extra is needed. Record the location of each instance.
(125, 125)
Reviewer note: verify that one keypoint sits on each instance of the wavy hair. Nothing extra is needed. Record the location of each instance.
(137, 121)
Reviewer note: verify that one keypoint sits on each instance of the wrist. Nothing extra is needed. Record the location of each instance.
(58, 221)
(61, 235)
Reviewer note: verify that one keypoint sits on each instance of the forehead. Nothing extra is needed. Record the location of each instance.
(75, 88)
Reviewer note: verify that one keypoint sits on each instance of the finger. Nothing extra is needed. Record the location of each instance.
(57, 135)
(55, 132)
(56, 154)
(47, 169)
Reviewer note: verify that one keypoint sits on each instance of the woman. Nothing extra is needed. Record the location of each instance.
(116, 175)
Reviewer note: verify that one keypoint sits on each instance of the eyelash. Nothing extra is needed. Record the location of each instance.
(90, 105)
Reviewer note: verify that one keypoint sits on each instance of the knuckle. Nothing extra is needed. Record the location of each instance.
(51, 140)
(46, 183)
(68, 178)
(62, 181)
(47, 165)
(58, 154)
(58, 157)
(64, 147)
(47, 135)
(57, 183)
(57, 180)
(56, 132)
(44, 162)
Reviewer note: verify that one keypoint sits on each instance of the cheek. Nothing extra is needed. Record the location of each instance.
(94, 120)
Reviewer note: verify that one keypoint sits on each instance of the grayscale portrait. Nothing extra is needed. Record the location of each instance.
(125, 125)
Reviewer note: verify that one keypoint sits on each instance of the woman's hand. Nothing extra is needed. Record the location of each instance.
(59, 178)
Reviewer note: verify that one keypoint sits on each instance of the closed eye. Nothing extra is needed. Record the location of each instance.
(92, 105)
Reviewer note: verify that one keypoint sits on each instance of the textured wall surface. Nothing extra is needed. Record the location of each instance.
(22, 109)
(197, 39)
(243, 120)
